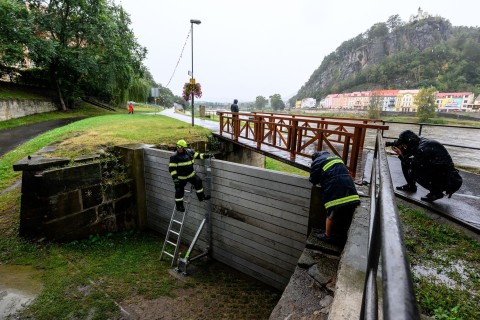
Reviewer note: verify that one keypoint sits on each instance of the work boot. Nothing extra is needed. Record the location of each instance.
(407, 188)
(432, 197)
(203, 197)
(179, 206)
(323, 237)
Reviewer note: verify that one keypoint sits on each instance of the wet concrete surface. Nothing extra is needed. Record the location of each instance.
(13, 137)
(19, 285)
(464, 205)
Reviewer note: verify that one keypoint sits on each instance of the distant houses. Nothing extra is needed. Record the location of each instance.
(394, 100)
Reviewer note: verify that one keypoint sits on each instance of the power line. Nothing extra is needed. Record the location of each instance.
(179, 58)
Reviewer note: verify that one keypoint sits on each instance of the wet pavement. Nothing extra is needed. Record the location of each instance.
(13, 137)
(463, 206)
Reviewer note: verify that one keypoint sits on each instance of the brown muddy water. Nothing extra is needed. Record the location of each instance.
(19, 285)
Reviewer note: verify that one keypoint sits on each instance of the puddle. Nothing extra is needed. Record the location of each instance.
(18, 288)
(441, 276)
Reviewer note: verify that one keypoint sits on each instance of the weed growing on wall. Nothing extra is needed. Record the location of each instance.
(114, 170)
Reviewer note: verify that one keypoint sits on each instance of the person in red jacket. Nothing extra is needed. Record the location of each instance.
(130, 108)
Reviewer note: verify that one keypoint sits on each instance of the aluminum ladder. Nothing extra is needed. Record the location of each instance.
(175, 229)
(183, 263)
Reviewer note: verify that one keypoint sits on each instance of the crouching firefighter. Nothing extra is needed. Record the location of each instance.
(339, 195)
(182, 171)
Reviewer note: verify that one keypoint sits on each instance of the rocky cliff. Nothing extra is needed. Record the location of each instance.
(372, 48)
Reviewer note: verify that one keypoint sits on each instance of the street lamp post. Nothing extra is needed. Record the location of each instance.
(192, 80)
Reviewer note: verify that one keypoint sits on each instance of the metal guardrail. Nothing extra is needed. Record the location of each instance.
(301, 135)
(386, 239)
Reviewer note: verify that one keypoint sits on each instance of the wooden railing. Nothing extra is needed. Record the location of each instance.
(301, 135)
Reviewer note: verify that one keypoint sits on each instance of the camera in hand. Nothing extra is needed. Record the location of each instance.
(393, 143)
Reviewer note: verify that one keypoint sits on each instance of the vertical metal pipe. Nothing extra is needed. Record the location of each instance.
(193, 98)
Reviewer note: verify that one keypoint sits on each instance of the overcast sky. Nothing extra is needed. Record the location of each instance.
(243, 49)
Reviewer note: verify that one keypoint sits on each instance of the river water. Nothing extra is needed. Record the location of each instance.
(453, 138)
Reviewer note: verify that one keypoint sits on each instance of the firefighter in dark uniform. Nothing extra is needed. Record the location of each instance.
(428, 163)
(339, 194)
(182, 171)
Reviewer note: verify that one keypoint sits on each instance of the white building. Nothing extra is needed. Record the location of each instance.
(308, 103)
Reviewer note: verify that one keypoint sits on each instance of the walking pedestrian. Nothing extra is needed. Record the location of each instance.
(182, 171)
(130, 108)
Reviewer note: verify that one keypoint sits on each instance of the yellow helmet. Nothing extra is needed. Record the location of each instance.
(182, 143)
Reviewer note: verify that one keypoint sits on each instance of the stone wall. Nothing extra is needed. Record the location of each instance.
(70, 203)
(10, 109)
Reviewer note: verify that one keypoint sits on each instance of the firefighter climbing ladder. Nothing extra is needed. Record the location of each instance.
(175, 228)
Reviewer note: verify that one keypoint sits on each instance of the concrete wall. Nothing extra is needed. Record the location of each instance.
(259, 217)
(10, 109)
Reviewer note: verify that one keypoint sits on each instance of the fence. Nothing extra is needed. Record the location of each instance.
(301, 135)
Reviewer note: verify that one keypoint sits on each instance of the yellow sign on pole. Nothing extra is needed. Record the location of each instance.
(192, 81)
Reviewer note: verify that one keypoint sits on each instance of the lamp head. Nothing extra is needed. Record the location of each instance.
(195, 21)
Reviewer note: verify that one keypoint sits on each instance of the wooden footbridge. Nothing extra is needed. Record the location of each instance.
(294, 138)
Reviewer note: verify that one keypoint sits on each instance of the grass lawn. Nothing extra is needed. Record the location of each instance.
(445, 264)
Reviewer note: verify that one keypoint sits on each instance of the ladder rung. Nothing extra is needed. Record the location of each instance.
(174, 232)
(168, 254)
(172, 243)
(179, 222)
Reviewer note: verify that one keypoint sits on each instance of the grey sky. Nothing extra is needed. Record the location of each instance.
(247, 48)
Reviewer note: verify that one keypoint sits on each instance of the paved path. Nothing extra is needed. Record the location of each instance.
(12, 138)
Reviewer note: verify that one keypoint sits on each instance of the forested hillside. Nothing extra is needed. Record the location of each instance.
(427, 51)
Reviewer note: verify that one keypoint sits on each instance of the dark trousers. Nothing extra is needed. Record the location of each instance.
(197, 184)
(342, 218)
(433, 179)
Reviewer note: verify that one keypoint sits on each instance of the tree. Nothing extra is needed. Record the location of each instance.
(166, 96)
(87, 48)
(375, 106)
(260, 102)
(394, 22)
(15, 34)
(276, 102)
(425, 100)
(378, 30)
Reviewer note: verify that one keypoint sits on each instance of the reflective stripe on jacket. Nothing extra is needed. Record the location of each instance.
(338, 188)
(181, 164)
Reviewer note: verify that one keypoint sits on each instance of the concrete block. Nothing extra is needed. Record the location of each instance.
(71, 178)
(63, 204)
